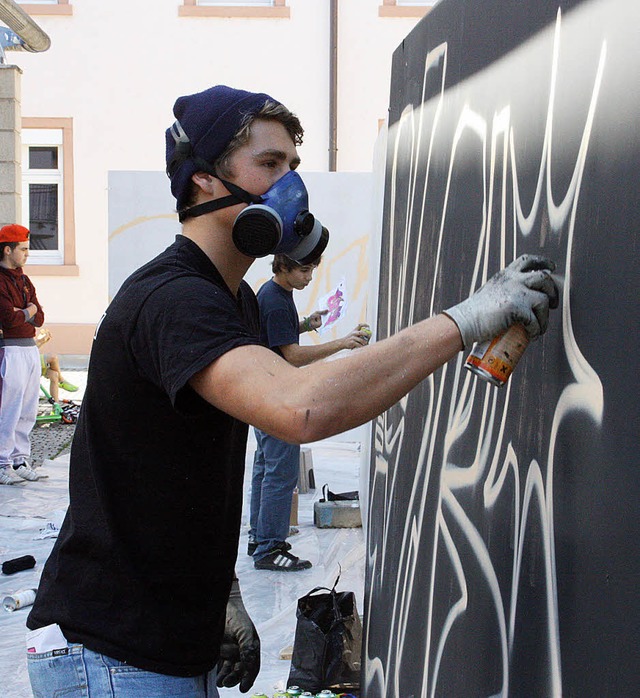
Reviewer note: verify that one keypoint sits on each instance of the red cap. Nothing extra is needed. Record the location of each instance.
(14, 233)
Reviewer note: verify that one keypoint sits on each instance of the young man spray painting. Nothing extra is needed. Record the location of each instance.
(141, 578)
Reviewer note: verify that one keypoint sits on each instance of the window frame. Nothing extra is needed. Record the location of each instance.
(67, 266)
(191, 8)
(390, 8)
(58, 7)
(44, 177)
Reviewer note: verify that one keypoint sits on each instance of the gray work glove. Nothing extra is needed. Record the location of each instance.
(521, 293)
(239, 661)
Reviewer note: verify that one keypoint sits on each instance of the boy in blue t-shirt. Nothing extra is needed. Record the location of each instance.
(276, 463)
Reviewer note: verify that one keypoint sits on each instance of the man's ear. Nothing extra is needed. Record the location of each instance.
(204, 181)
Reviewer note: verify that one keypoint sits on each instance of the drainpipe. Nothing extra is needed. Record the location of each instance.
(333, 86)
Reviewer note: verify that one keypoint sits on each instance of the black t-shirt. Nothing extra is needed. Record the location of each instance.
(142, 568)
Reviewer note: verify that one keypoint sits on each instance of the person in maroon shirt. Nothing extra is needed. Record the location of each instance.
(20, 314)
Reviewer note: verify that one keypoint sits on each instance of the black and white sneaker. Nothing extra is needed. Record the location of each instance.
(252, 546)
(281, 560)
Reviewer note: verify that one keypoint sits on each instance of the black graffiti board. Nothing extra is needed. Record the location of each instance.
(503, 537)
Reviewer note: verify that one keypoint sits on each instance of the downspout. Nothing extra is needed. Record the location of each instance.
(333, 86)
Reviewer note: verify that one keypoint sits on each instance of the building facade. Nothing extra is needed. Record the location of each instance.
(100, 98)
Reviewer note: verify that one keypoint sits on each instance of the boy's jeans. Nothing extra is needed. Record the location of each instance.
(276, 466)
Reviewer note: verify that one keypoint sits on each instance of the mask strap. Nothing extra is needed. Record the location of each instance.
(237, 196)
(241, 193)
(208, 207)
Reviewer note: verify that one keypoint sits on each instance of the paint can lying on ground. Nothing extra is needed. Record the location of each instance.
(18, 564)
(495, 360)
(19, 599)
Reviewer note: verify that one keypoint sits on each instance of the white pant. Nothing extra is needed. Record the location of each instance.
(19, 393)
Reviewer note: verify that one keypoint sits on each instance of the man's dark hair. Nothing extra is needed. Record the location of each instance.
(271, 111)
(283, 263)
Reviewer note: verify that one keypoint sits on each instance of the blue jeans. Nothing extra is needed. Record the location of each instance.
(276, 466)
(85, 674)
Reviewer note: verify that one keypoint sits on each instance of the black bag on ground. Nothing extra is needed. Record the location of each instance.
(328, 641)
(329, 496)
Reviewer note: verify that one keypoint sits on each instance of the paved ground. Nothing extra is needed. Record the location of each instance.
(49, 441)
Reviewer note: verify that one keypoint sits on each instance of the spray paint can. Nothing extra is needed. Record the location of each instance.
(18, 564)
(294, 691)
(20, 599)
(495, 360)
(326, 693)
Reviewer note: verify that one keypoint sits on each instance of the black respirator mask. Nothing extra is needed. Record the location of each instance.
(278, 222)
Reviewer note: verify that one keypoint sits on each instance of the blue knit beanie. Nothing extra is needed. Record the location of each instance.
(207, 121)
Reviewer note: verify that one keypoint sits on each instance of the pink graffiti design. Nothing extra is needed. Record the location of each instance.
(335, 303)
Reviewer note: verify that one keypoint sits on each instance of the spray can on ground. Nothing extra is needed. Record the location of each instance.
(495, 360)
(294, 691)
(326, 693)
(18, 564)
(19, 599)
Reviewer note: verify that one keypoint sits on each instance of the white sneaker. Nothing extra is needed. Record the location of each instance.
(6, 478)
(26, 472)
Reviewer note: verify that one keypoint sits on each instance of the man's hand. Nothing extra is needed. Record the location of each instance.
(31, 309)
(522, 293)
(239, 661)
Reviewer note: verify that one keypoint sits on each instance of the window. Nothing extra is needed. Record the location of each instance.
(234, 8)
(42, 188)
(46, 7)
(47, 193)
(405, 8)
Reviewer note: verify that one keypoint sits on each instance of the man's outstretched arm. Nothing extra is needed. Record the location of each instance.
(299, 405)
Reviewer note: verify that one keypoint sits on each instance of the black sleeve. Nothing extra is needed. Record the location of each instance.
(185, 325)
